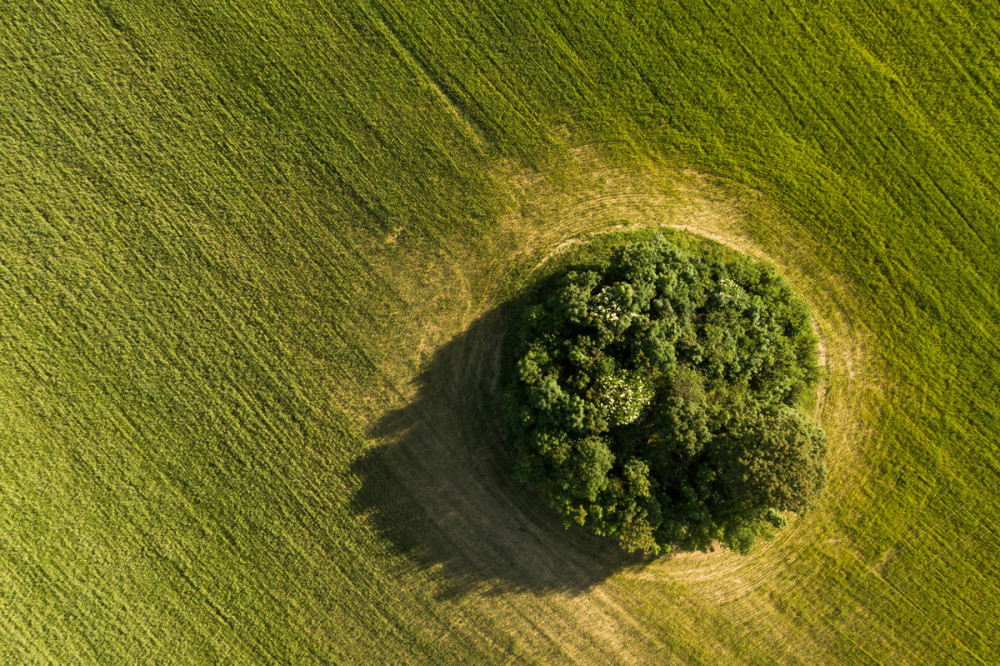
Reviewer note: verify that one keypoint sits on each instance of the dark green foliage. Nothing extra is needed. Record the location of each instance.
(653, 398)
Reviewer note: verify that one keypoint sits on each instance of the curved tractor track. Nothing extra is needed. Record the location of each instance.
(501, 557)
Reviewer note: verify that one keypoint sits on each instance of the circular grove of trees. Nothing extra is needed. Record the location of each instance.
(652, 397)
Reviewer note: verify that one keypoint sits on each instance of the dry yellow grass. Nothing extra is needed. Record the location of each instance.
(565, 595)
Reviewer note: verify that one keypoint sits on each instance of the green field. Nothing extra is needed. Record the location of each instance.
(253, 265)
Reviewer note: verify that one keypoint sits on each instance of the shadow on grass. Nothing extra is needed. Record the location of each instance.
(439, 485)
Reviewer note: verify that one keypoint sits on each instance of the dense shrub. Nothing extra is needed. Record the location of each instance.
(653, 398)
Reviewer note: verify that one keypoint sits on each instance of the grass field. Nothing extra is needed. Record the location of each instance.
(253, 265)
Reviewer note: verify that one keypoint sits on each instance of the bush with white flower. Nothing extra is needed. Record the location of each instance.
(653, 397)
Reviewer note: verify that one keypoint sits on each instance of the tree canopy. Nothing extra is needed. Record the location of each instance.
(653, 397)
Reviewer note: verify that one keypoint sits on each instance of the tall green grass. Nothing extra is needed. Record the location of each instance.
(200, 204)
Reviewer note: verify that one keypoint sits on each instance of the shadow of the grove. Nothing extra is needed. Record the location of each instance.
(438, 484)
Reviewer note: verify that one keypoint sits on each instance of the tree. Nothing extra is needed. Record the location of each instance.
(653, 398)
